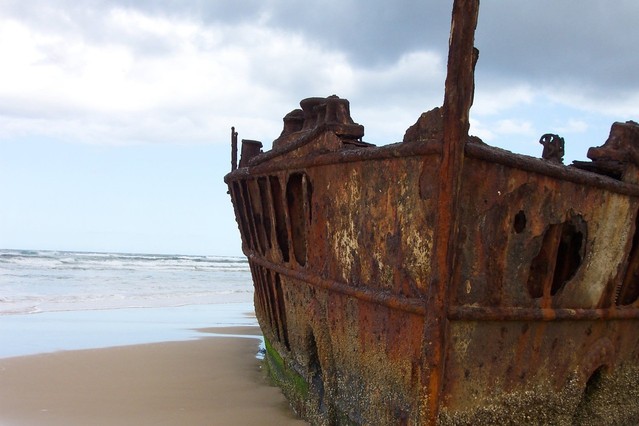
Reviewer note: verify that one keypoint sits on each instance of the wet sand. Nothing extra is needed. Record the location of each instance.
(209, 381)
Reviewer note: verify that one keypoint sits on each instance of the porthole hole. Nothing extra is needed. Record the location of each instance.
(519, 223)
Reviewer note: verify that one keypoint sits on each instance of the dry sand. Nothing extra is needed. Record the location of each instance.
(210, 381)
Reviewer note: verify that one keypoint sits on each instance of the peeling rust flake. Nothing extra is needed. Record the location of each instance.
(463, 285)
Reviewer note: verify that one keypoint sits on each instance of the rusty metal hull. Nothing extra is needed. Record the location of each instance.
(341, 247)
(440, 280)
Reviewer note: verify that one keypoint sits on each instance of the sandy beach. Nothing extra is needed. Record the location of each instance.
(213, 380)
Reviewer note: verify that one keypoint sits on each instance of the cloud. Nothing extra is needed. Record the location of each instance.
(120, 91)
(514, 127)
(194, 82)
(126, 71)
(494, 97)
(618, 105)
(585, 48)
(574, 126)
(504, 128)
(371, 33)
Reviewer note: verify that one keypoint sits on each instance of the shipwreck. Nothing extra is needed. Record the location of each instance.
(440, 280)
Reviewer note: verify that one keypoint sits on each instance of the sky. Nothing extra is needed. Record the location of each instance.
(115, 115)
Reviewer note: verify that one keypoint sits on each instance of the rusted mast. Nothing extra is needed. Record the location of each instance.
(458, 98)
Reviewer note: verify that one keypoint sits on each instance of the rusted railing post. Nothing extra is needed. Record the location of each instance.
(233, 149)
(458, 98)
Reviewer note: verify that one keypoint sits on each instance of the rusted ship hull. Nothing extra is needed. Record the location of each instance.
(440, 280)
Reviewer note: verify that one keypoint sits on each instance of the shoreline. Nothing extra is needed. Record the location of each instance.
(214, 379)
(54, 331)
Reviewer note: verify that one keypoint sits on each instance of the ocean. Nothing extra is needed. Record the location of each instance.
(46, 281)
(61, 300)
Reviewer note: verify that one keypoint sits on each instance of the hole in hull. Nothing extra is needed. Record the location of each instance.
(560, 256)
(315, 369)
(629, 291)
(297, 208)
(519, 224)
(584, 411)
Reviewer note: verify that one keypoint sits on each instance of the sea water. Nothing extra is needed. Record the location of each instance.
(46, 281)
(60, 300)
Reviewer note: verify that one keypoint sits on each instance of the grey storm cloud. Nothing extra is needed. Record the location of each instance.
(370, 32)
(373, 33)
(591, 42)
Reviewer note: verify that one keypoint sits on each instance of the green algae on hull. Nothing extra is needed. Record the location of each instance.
(294, 386)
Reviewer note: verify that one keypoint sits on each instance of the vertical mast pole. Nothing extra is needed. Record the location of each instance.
(458, 99)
